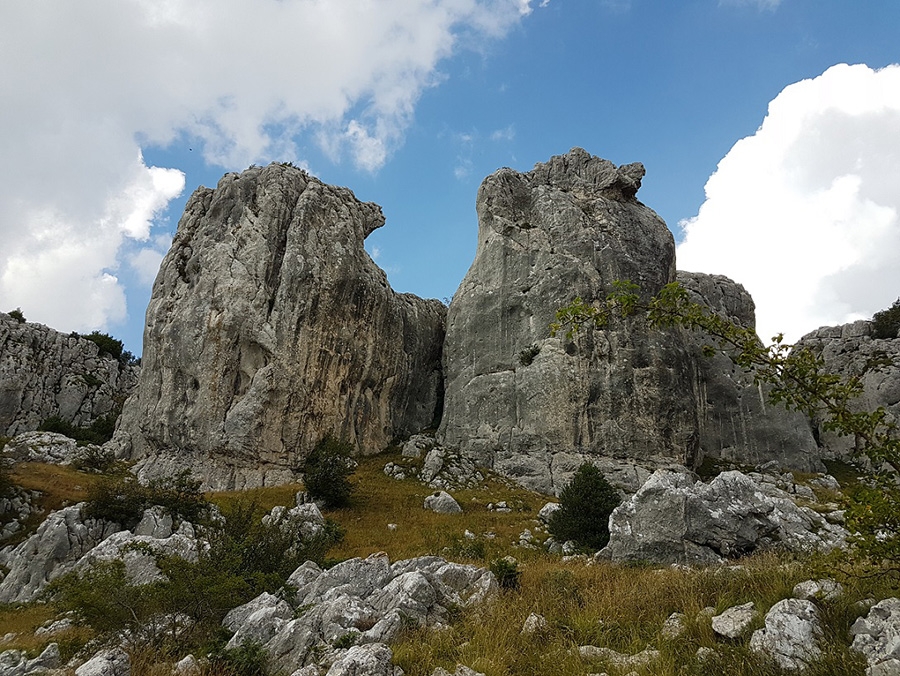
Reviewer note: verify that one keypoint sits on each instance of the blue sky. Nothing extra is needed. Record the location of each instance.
(411, 104)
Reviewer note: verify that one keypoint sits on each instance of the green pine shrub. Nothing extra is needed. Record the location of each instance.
(585, 505)
(326, 473)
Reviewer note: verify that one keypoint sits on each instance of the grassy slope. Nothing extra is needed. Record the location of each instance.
(619, 607)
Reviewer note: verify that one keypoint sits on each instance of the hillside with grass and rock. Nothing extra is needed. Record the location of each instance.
(316, 475)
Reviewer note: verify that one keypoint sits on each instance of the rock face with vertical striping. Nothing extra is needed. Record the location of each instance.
(532, 406)
(737, 422)
(270, 327)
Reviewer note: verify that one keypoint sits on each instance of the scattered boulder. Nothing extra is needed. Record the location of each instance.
(534, 407)
(674, 626)
(547, 511)
(619, 660)
(735, 621)
(113, 662)
(269, 328)
(791, 634)
(534, 624)
(442, 503)
(16, 662)
(373, 659)
(675, 519)
(187, 666)
(877, 636)
(45, 373)
(825, 590)
(417, 445)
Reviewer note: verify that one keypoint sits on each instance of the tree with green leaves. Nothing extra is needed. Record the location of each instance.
(585, 505)
(796, 378)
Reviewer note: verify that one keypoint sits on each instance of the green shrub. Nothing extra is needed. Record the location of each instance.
(98, 432)
(94, 460)
(526, 356)
(326, 472)
(585, 505)
(886, 323)
(507, 572)
(17, 315)
(248, 659)
(122, 499)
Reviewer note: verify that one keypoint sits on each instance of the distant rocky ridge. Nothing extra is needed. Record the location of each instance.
(45, 373)
(269, 328)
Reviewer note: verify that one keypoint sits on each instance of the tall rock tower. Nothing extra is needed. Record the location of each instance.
(270, 327)
(533, 406)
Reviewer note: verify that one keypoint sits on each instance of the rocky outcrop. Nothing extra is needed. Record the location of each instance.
(792, 634)
(534, 407)
(270, 327)
(57, 546)
(851, 351)
(737, 423)
(44, 373)
(675, 519)
(359, 601)
(877, 636)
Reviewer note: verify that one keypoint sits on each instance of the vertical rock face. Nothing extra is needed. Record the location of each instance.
(534, 406)
(269, 327)
(737, 423)
(852, 351)
(44, 373)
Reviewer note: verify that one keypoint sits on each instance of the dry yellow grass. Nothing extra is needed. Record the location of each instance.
(379, 500)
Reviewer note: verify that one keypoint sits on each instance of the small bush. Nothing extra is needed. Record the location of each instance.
(248, 659)
(526, 356)
(17, 315)
(94, 460)
(122, 499)
(507, 572)
(326, 472)
(886, 323)
(585, 505)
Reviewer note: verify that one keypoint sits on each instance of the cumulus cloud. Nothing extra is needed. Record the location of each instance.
(804, 213)
(85, 85)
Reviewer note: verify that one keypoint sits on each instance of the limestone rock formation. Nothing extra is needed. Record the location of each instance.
(737, 423)
(851, 350)
(675, 519)
(57, 546)
(792, 634)
(369, 600)
(270, 327)
(45, 373)
(877, 636)
(534, 407)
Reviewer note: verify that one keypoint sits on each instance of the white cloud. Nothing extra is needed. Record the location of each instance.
(505, 134)
(85, 85)
(806, 212)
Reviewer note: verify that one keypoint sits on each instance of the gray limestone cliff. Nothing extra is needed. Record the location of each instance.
(270, 327)
(535, 407)
(737, 423)
(851, 350)
(45, 373)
